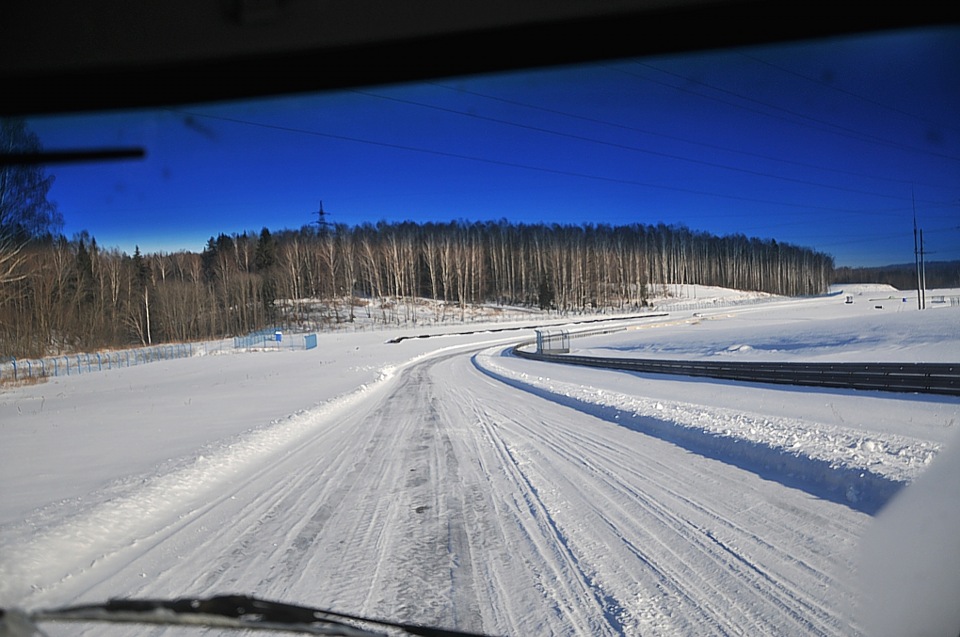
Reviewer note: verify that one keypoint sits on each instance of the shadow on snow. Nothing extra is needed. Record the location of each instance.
(858, 488)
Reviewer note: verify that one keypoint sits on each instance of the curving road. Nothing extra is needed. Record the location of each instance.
(446, 497)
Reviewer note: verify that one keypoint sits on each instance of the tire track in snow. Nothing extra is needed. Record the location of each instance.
(666, 579)
(317, 491)
(697, 525)
(426, 550)
(572, 590)
(451, 499)
(706, 532)
(77, 551)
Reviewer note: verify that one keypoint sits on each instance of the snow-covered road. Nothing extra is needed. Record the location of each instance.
(449, 498)
(460, 487)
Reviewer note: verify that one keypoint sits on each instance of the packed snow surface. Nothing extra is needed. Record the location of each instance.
(439, 479)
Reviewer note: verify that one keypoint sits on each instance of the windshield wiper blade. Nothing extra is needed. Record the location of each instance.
(237, 611)
(28, 158)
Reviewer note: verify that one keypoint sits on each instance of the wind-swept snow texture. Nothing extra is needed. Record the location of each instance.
(442, 481)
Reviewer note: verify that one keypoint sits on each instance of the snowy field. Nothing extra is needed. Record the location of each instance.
(441, 480)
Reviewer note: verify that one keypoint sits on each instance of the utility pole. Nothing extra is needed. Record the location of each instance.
(923, 274)
(916, 256)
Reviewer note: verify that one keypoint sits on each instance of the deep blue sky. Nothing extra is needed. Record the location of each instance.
(829, 144)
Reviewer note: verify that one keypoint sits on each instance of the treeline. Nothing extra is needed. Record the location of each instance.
(74, 295)
(937, 274)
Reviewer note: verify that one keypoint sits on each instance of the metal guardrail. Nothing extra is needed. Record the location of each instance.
(926, 378)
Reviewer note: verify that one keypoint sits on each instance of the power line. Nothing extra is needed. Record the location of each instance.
(830, 127)
(645, 131)
(620, 146)
(844, 91)
(541, 169)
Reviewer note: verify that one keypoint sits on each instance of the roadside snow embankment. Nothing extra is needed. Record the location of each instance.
(860, 469)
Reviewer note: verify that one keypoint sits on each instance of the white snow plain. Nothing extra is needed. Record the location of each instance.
(441, 480)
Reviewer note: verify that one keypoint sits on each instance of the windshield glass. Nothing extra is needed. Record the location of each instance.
(312, 348)
(830, 144)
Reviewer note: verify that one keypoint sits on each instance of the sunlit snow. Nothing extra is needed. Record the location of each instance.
(441, 480)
